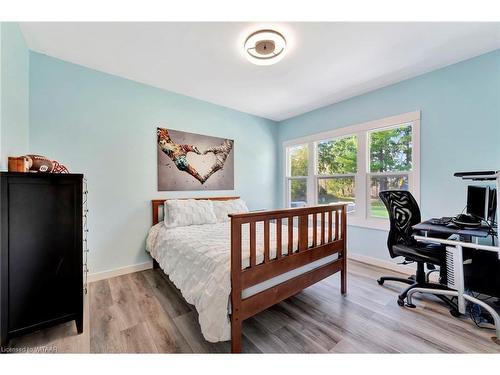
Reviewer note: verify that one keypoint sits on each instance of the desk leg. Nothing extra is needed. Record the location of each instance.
(491, 310)
(459, 273)
(442, 292)
(460, 292)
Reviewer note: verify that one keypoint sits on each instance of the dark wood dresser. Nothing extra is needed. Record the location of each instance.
(41, 273)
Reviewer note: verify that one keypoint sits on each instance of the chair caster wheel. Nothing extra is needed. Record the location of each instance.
(410, 305)
(455, 313)
(401, 302)
(380, 282)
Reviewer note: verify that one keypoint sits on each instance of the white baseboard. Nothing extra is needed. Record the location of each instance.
(406, 269)
(119, 271)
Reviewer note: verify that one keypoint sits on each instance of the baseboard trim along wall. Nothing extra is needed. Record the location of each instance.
(119, 271)
(407, 269)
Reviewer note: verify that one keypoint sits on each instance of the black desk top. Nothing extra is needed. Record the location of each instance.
(451, 229)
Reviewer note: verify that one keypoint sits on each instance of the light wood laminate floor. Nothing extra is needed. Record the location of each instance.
(144, 313)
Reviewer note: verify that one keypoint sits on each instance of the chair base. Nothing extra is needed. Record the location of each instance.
(410, 280)
(420, 280)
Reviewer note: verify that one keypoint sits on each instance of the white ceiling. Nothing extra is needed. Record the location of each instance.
(325, 62)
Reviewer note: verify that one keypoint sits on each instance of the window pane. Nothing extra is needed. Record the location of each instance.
(298, 192)
(391, 149)
(336, 189)
(337, 156)
(380, 183)
(298, 160)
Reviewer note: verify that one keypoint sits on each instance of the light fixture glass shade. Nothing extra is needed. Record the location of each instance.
(265, 47)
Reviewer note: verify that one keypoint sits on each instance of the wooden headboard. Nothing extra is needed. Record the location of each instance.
(157, 204)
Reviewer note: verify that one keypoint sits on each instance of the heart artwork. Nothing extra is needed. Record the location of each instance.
(201, 160)
(201, 163)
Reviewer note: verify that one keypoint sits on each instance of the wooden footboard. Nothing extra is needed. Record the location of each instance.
(329, 235)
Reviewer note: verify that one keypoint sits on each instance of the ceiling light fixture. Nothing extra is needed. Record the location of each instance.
(265, 47)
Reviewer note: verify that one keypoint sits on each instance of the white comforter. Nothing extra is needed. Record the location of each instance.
(197, 260)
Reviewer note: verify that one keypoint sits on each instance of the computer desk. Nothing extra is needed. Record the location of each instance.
(456, 246)
(428, 226)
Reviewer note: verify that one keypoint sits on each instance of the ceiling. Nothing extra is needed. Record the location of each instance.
(325, 62)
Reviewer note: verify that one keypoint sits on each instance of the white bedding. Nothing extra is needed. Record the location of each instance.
(197, 260)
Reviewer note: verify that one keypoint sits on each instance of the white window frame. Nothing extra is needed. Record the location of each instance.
(361, 216)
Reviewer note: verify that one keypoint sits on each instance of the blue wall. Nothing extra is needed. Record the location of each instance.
(105, 127)
(14, 97)
(460, 131)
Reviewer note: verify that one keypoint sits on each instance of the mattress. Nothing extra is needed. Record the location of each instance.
(197, 259)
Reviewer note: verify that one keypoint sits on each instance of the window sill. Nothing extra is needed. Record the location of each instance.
(378, 224)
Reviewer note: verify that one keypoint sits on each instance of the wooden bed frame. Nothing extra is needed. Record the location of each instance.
(332, 239)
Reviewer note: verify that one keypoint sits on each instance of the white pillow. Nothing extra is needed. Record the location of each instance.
(224, 208)
(184, 212)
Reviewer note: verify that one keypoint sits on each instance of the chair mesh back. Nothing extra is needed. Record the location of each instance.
(403, 214)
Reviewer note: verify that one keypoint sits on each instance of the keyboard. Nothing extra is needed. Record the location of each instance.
(441, 220)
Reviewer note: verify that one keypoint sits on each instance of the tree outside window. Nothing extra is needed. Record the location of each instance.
(390, 162)
(336, 169)
(298, 159)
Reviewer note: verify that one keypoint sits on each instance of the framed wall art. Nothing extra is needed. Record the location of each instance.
(188, 161)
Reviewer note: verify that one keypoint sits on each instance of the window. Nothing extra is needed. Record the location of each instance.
(390, 152)
(297, 174)
(336, 170)
(353, 164)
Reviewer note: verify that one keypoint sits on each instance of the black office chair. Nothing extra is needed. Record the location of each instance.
(403, 214)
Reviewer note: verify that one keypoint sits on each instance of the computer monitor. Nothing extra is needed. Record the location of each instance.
(482, 202)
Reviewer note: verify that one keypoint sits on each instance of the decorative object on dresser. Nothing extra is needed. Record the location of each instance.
(18, 164)
(35, 163)
(41, 273)
(188, 161)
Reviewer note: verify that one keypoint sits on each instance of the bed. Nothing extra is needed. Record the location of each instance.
(233, 270)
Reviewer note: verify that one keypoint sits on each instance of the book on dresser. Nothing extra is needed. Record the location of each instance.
(41, 273)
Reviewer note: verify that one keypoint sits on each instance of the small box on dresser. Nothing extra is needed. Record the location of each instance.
(18, 164)
(41, 273)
